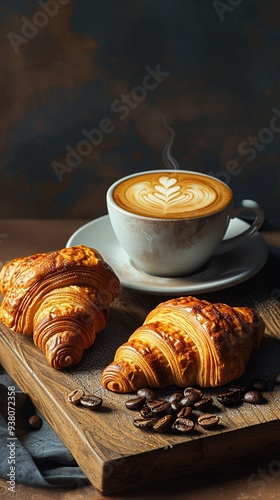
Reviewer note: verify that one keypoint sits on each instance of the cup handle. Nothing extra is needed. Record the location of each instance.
(244, 206)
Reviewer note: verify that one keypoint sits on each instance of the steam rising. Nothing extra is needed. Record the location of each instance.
(168, 159)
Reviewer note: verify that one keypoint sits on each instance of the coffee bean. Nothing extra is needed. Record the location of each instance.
(145, 412)
(188, 400)
(233, 388)
(175, 406)
(164, 424)
(185, 412)
(35, 422)
(91, 401)
(147, 393)
(191, 396)
(258, 384)
(154, 403)
(203, 404)
(135, 403)
(254, 397)
(75, 396)
(182, 424)
(230, 398)
(145, 423)
(175, 397)
(194, 391)
(159, 407)
(208, 420)
(277, 379)
(163, 407)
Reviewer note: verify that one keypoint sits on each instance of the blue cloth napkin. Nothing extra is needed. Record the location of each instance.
(31, 457)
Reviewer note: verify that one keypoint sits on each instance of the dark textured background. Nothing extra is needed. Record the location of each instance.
(73, 67)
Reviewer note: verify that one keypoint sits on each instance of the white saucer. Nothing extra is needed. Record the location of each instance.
(222, 271)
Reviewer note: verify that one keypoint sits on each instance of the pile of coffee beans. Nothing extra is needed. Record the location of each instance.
(90, 401)
(184, 410)
(252, 393)
(174, 412)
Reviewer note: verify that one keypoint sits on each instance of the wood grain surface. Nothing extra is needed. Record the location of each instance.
(111, 451)
(230, 463)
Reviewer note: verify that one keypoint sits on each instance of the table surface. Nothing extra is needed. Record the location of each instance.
(257, 479)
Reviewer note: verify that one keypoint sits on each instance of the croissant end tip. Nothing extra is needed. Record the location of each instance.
(60, 353)
(113, 380)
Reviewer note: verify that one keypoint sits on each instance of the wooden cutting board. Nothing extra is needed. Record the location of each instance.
(112, 452)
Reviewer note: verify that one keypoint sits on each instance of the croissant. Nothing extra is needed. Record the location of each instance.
(186, 341)
(10, 270)
(62, 299)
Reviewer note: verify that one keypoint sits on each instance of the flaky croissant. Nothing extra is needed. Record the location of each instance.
(186, 341)
(61, 298)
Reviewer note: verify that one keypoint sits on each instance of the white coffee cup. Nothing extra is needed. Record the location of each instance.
(170, 222)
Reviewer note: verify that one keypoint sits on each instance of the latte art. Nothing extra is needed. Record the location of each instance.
(172, 195)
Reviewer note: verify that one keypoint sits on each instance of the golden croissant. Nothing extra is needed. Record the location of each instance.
(186, 341)
(61, 298)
